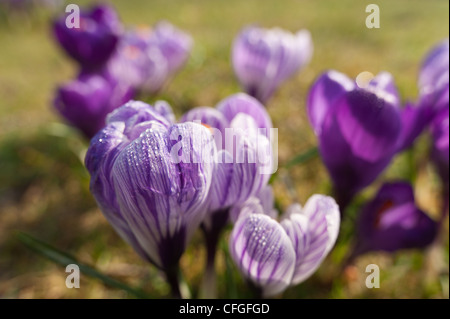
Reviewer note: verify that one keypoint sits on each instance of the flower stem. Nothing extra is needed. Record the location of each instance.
(173, 279)
(343, 199)
(212, 235)
(209, 289)
(256, 291)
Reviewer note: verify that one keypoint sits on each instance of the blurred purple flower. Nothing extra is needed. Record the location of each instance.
(264, 58)
(95, 41)
(392, 221)
(142, 67)
(146, 58)
(86, 101)
(175, 45)
(433, 96)
(274, 256)
(153, 201)
(435, 64)
(359, 129)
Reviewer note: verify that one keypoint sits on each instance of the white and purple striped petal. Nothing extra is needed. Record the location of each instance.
(243, 103)
(151, 179)
(313, 231)
(264, 58)
(263, 253)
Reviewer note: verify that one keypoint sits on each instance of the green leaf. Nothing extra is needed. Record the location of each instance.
(303, 157)
(64, 259)
(297, 160)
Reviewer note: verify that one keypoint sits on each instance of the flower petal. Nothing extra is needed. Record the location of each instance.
(323, 95)
(392, 221)
(313, 231)
(263, 252)
(370, 125)
(243, 103)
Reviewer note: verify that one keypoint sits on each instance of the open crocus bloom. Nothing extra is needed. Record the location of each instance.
(359, 128)
(392, 221)
(93, 43)
(273, 255)
(151, 179)
(265, 58)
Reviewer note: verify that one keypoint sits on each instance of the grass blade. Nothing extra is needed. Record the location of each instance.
(64, 259)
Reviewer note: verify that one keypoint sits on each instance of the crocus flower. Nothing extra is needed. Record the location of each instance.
(174, 44)
(94, 42)
(440, 152)
(358, 129)
(240, 126)
(241, 169)
(151, 180)
(265, 58)
(392, 221)
(435, 64)
(86, 101)
(433, 95)
(146, 58)
(273, 255)
(137, 64)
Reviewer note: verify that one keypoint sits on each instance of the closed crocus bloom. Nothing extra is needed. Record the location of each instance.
(392, 221)
(174, 44)
(139, 65)
(151, 180)
(93, 43)
(358, 126)
(86, 101)
(264, 58)
(274, 256)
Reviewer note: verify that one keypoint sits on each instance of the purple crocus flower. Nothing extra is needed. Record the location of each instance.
(392, 221)
(174, 44)
(146, 58)
(273, 255)
(94, 42)
(264, 58)
(358, 128)
(151, 180)
(433, 96)
(435, 64)
(241, 170)
(86, 101)
(142, 67)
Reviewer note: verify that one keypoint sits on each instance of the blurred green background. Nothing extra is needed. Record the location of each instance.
(44, 186)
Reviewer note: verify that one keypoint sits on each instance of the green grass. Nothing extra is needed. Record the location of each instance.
(44, 187)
